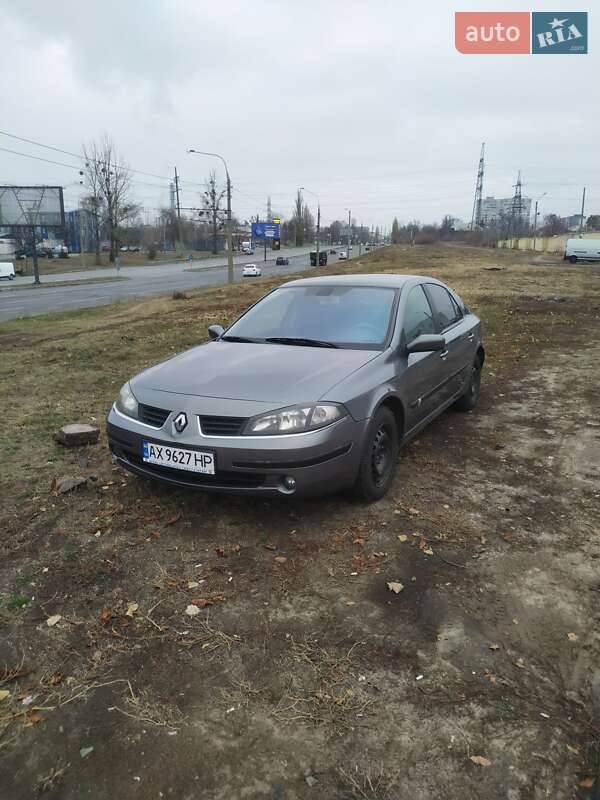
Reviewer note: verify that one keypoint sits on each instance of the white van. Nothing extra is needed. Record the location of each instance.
(7, 270)
(582, 250)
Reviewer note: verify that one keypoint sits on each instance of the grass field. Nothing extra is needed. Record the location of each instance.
(302, 667)
(78, 261)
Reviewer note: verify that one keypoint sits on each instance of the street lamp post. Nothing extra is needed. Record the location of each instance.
(303, 188)
(349, 232)
(535, 218)
(229, 232)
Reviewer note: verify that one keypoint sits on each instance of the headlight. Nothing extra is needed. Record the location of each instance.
(126, 402)
(295, 419)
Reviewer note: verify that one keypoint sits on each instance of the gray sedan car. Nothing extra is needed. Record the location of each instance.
(313, 389)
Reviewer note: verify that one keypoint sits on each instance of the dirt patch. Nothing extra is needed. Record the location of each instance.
(303, 675)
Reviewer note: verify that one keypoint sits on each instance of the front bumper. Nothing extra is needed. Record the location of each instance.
(319, 462)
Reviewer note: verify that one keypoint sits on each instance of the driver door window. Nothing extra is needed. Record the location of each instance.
(418, 316)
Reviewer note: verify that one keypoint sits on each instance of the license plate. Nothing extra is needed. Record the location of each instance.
(178, 458)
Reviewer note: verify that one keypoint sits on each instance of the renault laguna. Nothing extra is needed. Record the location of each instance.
(313, 389)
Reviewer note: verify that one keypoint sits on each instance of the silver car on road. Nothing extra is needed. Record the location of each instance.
(313, 389)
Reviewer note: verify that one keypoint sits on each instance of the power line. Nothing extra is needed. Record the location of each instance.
(79, 156)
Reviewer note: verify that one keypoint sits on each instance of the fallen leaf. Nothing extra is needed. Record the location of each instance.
(53, 620)
(481, 761)
(192, 610)
(587, 783)
(4, 693)
(428, 551)
(395, 586)
(508, 537)
(201, 602)
(174, 519)
(270, 547)
(402, 537)
(379, 555)
(193, 584)
(414, 512)
(280, 559)
(520, 663)
(31, 718)
(131, 609)
(155, 534)
(56, 678)
(572, 637)
(515, 621)
(494, 647)
(359, 541)
(220, 551)
(107, 613)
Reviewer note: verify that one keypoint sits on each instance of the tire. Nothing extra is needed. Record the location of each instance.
(380, 453)
(573, 259)
(11, 277)
(470, 398)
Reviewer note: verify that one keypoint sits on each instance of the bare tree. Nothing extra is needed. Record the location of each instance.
(213, 196)
(109, 182)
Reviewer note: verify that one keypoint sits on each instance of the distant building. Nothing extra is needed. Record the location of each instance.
(573, 222)
(493, 209)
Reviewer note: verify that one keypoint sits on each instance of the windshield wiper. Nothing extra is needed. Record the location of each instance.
(242, 339)
(300, 341)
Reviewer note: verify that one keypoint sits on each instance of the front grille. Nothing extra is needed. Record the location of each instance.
(240, 480)
(222, 426)
(152, 416)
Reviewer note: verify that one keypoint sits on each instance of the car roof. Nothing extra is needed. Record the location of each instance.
(382, 279)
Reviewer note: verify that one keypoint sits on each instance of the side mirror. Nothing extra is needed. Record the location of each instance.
(214, 331)
(426, 343)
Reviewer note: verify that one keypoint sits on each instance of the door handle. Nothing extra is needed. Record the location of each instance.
(443, 354)
(471, 336)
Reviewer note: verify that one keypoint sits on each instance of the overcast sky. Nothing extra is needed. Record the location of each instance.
(367, 104)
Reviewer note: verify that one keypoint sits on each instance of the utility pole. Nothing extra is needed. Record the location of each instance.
(178, 206)
(582, 210)
(476, 220)
(535, 218)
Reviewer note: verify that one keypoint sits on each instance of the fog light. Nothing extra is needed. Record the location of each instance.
(289, 483)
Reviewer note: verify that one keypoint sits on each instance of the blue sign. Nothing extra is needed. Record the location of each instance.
(559, 32)
(265, 230)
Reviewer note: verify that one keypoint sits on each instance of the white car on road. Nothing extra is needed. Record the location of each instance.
(251, 271)
(342, 255)
(7, 270)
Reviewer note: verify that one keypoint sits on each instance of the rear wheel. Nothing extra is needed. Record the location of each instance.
(469, 399)
(380, 454)
(573, 259)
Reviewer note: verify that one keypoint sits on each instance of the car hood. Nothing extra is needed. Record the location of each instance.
(283, 374)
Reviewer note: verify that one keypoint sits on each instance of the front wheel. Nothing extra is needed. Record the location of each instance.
(573, 259)
(378, 463)
(469, 399)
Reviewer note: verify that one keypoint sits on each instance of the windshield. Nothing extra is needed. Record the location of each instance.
(356, 317)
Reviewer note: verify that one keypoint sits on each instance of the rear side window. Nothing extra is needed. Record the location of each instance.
(445, 305)
(418, 316)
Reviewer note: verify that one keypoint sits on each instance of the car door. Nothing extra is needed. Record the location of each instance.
(455, 328)
(420, 375)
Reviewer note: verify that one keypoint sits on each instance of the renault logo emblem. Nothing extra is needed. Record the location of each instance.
(180, 422)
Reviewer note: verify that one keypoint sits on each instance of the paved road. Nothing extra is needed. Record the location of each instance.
(140, 282)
